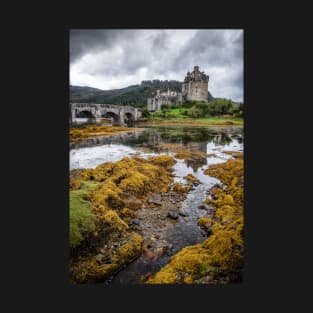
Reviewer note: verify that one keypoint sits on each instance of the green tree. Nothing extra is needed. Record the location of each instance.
(145, 113)
(164, 107)
(195, 112)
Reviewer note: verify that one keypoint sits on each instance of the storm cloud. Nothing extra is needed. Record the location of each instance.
(113, 58)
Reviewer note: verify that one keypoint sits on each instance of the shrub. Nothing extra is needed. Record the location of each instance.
(164, 107)
(220, 107)
(145, 113)
(195, 112)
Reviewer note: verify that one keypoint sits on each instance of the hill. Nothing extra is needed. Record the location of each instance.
(134, 95)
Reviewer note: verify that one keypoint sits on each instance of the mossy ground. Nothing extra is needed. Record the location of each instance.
(222, 252)
(109, 196)
(79, 133)
(82, 219)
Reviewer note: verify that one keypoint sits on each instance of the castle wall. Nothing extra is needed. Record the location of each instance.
(169, 97)
(197, 90)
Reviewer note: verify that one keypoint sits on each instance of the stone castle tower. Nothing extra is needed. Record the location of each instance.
(195, 86)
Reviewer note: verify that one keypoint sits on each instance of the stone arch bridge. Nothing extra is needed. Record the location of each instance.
(121, 115)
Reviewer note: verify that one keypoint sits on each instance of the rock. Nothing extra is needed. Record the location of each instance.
(155, 202)
(204, 207)
(183, 213)
(136, 221)
(99, 257)
(173, 215)
(208, 231)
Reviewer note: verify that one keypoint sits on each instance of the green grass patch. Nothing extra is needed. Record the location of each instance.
(82, 219)
(203, 120)
(205, 269)
(180, 114)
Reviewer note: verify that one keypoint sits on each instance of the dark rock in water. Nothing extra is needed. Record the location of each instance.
(214, 197)
(204, 207)
(173, 215)
(209, 231)
(217, 186)
(136, 221)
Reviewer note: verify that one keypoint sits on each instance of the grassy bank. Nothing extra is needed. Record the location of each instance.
(193, 121)
(180, 116)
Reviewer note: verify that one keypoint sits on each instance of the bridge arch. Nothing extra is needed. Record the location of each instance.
(85, 113)
(129, 119)
(110, 114)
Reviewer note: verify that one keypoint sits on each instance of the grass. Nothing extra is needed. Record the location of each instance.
(82, 219)
(176, 115)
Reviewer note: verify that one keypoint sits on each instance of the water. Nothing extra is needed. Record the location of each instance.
(165, 140)
(212, 140)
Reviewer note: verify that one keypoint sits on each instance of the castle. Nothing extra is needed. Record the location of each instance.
(194, 87)
(168, 97)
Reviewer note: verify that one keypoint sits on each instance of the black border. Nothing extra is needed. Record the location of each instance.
(37, 250)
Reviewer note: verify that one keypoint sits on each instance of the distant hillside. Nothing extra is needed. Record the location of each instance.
(135, 95)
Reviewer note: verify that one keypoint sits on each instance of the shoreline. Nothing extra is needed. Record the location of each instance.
(80, 134)
(195, 122)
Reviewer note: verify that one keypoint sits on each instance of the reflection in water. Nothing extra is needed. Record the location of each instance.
(168, 140)
(195, 164)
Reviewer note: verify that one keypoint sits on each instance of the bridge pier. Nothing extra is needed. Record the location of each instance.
(118, 121)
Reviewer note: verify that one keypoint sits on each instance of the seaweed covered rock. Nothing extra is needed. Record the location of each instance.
(192, 156)
(103, 201)
(192, 179)
(180, 188)
(97, 268)
(204, 221)
(79, 133)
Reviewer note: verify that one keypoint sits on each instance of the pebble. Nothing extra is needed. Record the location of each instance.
(172, 215)
(136, 221)
(204, 207)
(183, 213)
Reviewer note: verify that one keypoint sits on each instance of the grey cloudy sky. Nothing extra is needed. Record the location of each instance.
(109, 59)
